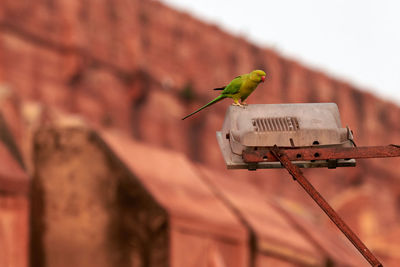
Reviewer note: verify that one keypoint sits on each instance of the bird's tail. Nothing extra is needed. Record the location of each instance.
(217, 99)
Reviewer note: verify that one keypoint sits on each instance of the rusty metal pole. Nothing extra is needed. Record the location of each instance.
(323, 153)
(316, 196)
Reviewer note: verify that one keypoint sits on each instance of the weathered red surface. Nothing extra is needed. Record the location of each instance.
(201, 200)
(14, 230)
(302, 243)
(13, 179)
(203, 229)
(324, 205)
(14, 210)
(329, 243)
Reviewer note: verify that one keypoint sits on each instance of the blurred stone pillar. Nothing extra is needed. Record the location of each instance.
(87, 209)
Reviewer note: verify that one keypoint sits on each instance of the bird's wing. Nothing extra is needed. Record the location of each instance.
(223, 87)
(234, 86)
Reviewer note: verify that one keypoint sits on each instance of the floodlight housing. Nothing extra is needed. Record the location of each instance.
(262, 126)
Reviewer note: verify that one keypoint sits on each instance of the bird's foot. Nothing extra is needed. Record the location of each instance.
(238, 104)
(244, 104)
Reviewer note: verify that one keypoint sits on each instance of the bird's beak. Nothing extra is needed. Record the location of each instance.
(262, 78)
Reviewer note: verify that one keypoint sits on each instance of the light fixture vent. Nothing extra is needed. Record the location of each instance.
(288, 124)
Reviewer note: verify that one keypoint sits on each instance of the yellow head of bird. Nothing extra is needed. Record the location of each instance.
(258, 75)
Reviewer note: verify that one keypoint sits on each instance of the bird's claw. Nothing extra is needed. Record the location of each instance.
(238, 104)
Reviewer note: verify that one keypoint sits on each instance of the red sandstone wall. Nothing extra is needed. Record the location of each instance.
(140, 66)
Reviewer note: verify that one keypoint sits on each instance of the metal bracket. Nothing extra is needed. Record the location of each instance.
(332, 163)
(280, 155)
(322, 153)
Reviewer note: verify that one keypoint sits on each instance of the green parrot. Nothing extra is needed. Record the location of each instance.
(239, 88)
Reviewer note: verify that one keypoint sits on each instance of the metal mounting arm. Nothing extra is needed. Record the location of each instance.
(322, 153)
(295, 171)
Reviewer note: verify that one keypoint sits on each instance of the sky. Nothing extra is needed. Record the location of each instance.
(354, 40)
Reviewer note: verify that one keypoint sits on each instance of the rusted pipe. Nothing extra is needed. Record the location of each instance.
(322, 153)
(316, 196)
